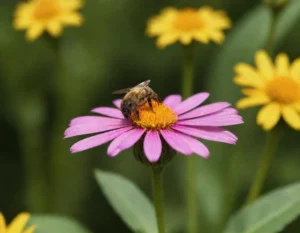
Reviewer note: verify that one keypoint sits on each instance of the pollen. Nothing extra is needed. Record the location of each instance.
(46, 9)
(158, 117)
(284, 90)
(188, 20)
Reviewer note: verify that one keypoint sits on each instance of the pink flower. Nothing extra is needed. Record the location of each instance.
(178, 122)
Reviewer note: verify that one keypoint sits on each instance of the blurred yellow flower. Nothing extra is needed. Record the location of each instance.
(36, 16)
(17, 225)
(277, 86)
(203, 24)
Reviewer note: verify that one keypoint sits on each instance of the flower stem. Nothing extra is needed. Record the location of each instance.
(187, 90)
(272, 137)
(257, 185)
(63, 169)
(188, 70)
(192, 223)
(158, 193)
(32, 145)
(271, 35)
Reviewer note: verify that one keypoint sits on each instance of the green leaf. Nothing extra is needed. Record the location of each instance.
(128, 201)
(50, 223)
(268, 214)
(246, 37)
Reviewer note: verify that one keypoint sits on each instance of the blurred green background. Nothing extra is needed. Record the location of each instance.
(40, 92)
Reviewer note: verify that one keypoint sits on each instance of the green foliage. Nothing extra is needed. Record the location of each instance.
(128, 201)
(51, 223)
(247, 36)
(269, 214)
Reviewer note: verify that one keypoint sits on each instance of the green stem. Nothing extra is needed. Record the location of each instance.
(192, 223)
(29, 106)
(34, 167)
(257, 185)
(271, 35)
(187, 90)
(63, 168)
(188, 70)
(158, 193)
(272, 137)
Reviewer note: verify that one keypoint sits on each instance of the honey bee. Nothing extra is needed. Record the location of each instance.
(136, 97)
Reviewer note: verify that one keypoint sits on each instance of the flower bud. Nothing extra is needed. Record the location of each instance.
(167, 154)
(276, 5)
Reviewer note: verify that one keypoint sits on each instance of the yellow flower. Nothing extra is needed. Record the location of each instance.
(17, 225)
(276, 86)
(188, 24)
(37, 16)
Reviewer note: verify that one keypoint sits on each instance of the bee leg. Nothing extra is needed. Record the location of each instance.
(150, 104)
(137, 114)
(157, 98)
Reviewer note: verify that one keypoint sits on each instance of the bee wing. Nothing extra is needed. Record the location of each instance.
(144, 84)
(122, 91)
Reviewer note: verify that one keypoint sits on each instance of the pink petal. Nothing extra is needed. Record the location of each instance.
(172, 100)
(112, 112)
(124, 141)
(224, 112)
(97, 140)
(197, 147)
(191, 102)
(204, 110)
(117, 103)
(208, 133)
(152, 146)
(96, 120)
(175, 142)
(76, 130)
(214, 121)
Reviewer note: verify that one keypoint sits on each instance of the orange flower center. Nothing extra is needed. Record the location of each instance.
(159, 117)
(284, 90)
(46, 9)
(187, 20)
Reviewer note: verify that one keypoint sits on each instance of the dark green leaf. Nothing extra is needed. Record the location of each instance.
(269, 214)
(50, 223)
(128, 201)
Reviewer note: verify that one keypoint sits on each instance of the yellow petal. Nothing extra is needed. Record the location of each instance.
(264, 64)
(217, 36)
(166, 39)
(74, 19)
(244, 81)
(253, 91)
(186, 38)
(34, 31)
(21, 23)
(71, 4)
(282, 65)
(54, 28)
(297, 106)
(18, 223)
(201, 37)
(268, 116)
(291, 116)
(2, 224)
(30, 229)
(249, 72)
(295, 69)
(252, 101)
(160, 24)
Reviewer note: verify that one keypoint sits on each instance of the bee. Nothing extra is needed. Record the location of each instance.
(136, 97)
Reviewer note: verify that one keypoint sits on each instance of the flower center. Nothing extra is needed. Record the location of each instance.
(284, 90)
(159, 117)
(187, 20)
(46, 9)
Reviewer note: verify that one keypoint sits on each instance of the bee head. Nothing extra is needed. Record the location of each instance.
(127, 108)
